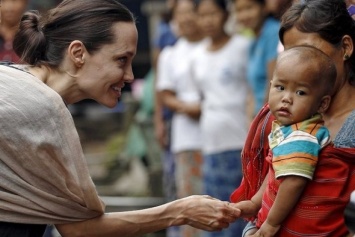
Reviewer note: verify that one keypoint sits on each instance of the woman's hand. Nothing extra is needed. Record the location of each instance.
(206, 213)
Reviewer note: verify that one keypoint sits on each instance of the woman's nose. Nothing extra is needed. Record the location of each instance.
(129, 76)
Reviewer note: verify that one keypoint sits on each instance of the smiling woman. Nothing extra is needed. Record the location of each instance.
(98, 72)
(81, 49)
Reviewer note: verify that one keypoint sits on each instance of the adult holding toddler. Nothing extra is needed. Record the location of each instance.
(299, 93)
(326, 25)
(81, 50)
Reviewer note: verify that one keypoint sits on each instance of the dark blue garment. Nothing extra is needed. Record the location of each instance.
(8, 229)
(222, 172)
(165, 36)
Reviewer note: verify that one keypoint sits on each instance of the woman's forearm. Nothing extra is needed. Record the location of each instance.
(197, 211)
(131, 223)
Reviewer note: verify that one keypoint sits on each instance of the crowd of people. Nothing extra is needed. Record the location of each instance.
(256, 126)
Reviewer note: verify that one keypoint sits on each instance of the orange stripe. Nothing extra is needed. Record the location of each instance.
(281, 160)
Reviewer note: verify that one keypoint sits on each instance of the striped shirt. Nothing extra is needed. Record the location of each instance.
(296, 147)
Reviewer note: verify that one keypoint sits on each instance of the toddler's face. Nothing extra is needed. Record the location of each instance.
(294, 95)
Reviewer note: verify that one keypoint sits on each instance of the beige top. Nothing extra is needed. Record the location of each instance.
(44, 177)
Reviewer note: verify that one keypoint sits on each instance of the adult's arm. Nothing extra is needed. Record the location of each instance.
(170, 100)
(202, 212)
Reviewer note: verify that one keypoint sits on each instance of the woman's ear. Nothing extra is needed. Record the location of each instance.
(324, 104)
(76, 52)
(348, 46)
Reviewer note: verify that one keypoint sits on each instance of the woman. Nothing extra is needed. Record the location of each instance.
(326, 25)
(177, 93)
(253, 14)
(219, 72)
(82, 49)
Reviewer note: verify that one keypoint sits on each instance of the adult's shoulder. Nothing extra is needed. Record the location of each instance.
(20, 91)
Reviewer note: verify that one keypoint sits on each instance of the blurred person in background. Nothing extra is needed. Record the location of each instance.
(167, 32)
(278, 7)
(219, 72)
(166, 35)
(11, 13)
(177, 93)
(253, 14)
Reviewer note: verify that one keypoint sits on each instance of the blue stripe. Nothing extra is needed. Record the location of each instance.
(297, 146)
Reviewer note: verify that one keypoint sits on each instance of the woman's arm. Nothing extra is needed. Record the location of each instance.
(170, 100)
(202, 212)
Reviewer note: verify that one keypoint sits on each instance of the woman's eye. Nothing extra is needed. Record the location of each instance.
(300, 92)
(122, 61)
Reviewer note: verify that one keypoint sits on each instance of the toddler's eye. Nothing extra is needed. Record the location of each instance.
(280, 88)
(300, 93)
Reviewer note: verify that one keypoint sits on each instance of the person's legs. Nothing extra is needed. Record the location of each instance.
(169, 182)
(188, 165)
(169, 186)
(222, 173)
(188, 175)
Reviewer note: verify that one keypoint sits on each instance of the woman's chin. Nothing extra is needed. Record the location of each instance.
(109, 103)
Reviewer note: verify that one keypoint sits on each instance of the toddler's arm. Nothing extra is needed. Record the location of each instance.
(287, 197)
(250, 208)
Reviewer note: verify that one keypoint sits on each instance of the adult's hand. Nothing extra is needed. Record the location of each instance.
(206, 213)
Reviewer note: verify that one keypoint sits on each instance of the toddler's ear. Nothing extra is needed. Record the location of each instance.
(324, 104)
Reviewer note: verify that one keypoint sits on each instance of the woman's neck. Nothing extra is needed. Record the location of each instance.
(343, 103)
(61, 82)
(219, 41)
(194, 38)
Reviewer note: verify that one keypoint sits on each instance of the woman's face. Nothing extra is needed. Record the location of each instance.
(185, 18)
(12, 10)
(211, 18)
(277, 7)
(250, 14)
(294, 37)
(105, 72)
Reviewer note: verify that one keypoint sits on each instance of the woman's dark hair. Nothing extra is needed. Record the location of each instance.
(44, 40)
(327, 18)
